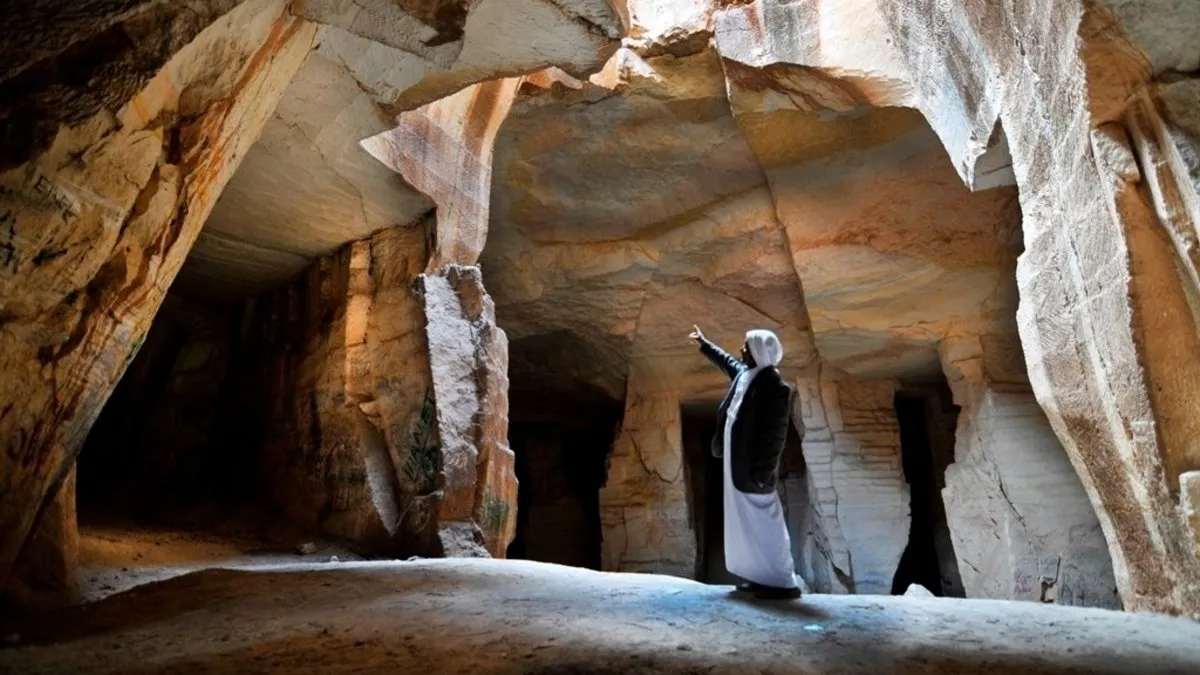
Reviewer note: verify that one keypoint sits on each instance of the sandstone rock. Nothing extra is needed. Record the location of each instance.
(738, 164)
(1023, 528)
(100, 224)
(453, 44)
(305, 188)
(855, 483)
(643, 504)
(444, 150)
(48, 568)
(592, 282)
(1189, 497)
(1162, 30)
(351, 447)
(1092, 241)
(115, 46)
(469, 361)
(889, 265)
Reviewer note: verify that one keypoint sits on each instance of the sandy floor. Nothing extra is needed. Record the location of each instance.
(116, 558)
(486, 616)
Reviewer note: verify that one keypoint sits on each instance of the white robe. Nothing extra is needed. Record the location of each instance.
(757, 545)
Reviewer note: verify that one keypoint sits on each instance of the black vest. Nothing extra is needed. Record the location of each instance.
(760, 427)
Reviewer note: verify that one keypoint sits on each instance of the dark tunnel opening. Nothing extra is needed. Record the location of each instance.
(927, 420)
(561, 441)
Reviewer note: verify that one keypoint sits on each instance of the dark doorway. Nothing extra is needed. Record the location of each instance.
(704, 478)
(927, 417)
(561, 441)
(157, 454)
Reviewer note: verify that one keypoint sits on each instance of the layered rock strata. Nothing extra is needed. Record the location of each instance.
(97, 227)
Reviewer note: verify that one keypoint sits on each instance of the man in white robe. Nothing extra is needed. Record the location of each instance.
(752, 430)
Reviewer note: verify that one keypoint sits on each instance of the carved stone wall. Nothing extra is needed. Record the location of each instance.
(1022, 525)
(96, 227)
(855, 484)
(644, 504)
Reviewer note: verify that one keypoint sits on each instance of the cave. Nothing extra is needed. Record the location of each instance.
(350, 336)
(178, 443)
(927, 418)
(561, 441)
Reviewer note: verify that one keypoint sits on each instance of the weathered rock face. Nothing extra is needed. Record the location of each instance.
(306, 187)
(351, 446)
(896, 257)
(444, 45)
(848, 174)
(855, 484)
(1104, 319)
(469, 361)
(122, 128)
(1021, 523)
(98, 225)
(444, 149)
(890, 264)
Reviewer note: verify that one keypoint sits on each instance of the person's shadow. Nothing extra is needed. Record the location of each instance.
(795, 608)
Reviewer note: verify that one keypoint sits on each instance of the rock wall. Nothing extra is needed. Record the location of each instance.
(855, 484)
(97, 225)
(1104, 321)
(444, 150)
(1107, 195)
(1022, 525)
(445, 45)
(47, 573)
(351, 445)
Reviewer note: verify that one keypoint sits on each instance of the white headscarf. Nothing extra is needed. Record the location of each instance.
(767, 352)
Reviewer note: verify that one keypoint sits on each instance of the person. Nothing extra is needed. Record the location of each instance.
(752, 424)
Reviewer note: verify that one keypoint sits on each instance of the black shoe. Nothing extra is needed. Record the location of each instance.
(750, 587)
(773, 593)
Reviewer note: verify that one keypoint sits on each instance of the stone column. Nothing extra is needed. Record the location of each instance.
(468, 357)
(1022, 525)
(856, 483)
(644, 516)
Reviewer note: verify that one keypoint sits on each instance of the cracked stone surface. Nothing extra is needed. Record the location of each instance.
(308, 187)
(1012, 204)
(97, 227)
(1022, 525)
(520, 617)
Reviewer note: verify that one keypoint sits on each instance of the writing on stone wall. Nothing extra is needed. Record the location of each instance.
(54, 197)
(40, 192)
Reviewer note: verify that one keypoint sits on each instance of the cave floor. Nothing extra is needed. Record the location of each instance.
(487, 616)
(115, 556)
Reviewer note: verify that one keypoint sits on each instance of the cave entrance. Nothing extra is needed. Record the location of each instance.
(561, 441)
(927, 418)
(170, 447)
(170, 477)
(705, 481)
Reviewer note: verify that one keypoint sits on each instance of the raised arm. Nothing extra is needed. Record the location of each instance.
(720, 358)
